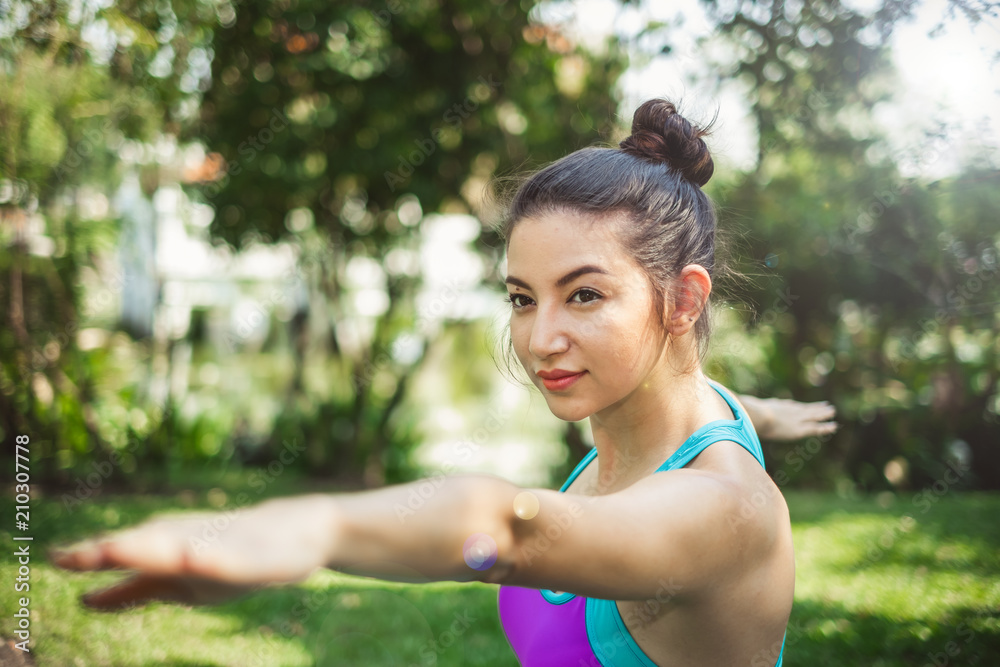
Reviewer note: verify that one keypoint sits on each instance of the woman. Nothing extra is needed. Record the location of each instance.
(610, 259)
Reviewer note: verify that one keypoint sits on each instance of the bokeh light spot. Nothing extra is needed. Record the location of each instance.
(480, 551)
(526, 505)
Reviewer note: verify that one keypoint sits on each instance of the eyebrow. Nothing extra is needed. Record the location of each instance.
(565, 280)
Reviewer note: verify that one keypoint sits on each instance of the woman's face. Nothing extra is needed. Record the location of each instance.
(582, 319)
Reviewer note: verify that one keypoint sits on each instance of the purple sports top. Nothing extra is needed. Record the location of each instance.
(549, 629)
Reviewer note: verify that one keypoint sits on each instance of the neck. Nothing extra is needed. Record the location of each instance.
(634, 436)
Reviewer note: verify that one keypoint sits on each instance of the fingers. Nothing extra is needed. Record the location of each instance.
(132, 592)
(141, 589)
(822, 414)
(818, 410)
(822, 411)
(808, 429)
(81, 556)
(792, 420)
(827, 427)
(273, 543)
(149, 548)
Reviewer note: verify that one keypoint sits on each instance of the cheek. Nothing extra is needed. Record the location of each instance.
(626, 347)
(623, 356)
(519, 336)
(613, 333)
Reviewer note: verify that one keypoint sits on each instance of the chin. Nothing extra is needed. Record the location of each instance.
(567, 409)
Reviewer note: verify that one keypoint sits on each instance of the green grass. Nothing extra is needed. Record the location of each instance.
(874, 588)
(896, 582)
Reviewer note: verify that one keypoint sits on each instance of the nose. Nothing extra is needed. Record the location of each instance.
(548, 334)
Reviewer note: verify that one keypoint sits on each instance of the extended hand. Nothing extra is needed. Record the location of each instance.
(207, 558)
(791, 420)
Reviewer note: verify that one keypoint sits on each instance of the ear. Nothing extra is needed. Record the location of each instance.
(687, 299)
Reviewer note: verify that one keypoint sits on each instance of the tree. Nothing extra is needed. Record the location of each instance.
(865, 278)
(336, 124)
(356, 118)
(78, 83)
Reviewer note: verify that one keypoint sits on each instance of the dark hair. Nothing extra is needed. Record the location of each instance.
(655, 180)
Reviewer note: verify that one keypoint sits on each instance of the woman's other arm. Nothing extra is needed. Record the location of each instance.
(784, 419)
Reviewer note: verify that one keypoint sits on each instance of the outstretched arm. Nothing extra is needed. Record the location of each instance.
(470, 527)
(784, 419)
(411, 532)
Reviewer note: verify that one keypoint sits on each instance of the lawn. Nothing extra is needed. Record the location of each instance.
(886, 581)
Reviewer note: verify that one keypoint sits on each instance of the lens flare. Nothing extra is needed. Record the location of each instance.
(526, 505)
(480, 551)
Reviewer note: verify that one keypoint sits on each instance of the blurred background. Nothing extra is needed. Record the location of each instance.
(247, 249)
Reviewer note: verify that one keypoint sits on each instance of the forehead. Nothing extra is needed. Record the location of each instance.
(565, 240)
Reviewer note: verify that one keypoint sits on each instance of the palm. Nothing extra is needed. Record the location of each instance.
(207, 558)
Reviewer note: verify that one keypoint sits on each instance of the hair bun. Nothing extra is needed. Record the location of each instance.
(660, 134)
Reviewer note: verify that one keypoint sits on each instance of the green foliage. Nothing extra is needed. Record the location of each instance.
(336, 126)
(354, 90)
(75, 91)
(343, 109)
(80, 81)
(811, 70)
(867, 288)
(884, 304)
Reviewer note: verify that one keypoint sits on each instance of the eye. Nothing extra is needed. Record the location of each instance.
(585, 296)
(519, 300)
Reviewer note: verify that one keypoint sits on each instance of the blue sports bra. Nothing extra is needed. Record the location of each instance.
(550, 629)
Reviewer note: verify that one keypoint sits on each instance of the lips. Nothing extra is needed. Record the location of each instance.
(558, 379)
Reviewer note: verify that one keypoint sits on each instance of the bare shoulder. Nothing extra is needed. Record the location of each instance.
(753, 502)
(730, 520)
(691, 524)
(738, 570)
(739, 502)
